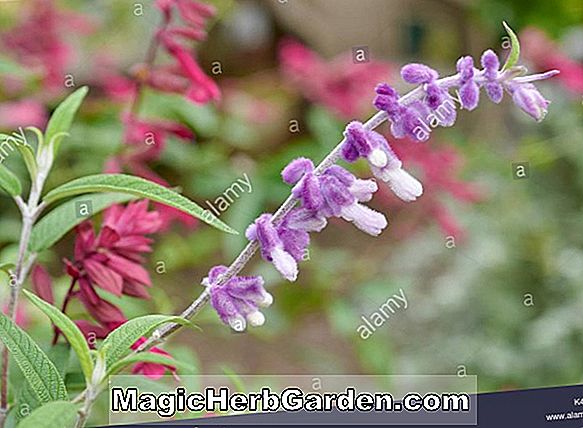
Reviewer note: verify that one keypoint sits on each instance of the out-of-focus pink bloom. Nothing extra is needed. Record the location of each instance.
(42, 283)
(145, 140)
(27, 112)
(21, 316)
(547, 55)
(438, 166)
(199, 87)
(152, 370)
(39, 43)
(116, 86)
(113, 259)
(339, 84)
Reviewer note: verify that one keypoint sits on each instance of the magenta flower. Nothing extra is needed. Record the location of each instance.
(338, 84)
(153, 371)
(42, 283)
(113, 259)
(39, 40)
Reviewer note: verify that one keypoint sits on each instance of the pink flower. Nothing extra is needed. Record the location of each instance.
(545, 54)
(39, 43)
(22, 113)
(42, 283)
(113, 259)
(198, 87)
(152, 370)
(339, 84)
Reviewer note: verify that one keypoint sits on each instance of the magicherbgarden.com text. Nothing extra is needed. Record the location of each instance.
(291, 399)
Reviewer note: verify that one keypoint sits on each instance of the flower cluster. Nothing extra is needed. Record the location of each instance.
(184, 76)
(332, 191)
(435, 105)
(337, 84)
(238, 300)
(111, 261)
(145, 139)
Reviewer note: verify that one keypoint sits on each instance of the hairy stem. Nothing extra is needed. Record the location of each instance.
(24, 261)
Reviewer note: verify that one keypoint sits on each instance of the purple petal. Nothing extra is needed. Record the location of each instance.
(470, 95)
(418, 73)
(364, 218)
(494, 91)
(292, 173)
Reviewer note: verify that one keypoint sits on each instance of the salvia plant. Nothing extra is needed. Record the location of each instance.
(318, 193)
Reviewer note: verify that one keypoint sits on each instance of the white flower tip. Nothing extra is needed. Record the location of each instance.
(256, 319)
(285, 264)
(266, 301)
(238, 324)
(378, 158)
(404, 185)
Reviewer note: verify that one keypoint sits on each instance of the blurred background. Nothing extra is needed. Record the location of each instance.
(492, 265)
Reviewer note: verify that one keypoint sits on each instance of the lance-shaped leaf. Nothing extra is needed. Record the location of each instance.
(122, 183)
(9, 182)
(65, 217)
(37, 369)
(56, 414)
(119, 341)
(69, 330)
(62, 118)
(149, 357)
(59, 355)
(514, 48)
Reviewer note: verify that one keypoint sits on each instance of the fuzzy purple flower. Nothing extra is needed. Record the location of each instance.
(238, 300)
(491, 65)
(279, 245)
(383, 162)
(529, 99)
(469, 90)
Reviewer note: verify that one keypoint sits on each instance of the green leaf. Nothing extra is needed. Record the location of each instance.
(9, 182)
(514, 49)
(56, 414)
(26, 402)
(62, 118)
(137, 186)
(119, 341)
(29, 159)
(149, 357)
(37, 369)
(7, 267)
(69, 330)
(62, 219)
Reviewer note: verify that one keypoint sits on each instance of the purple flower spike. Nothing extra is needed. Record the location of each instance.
(469, 91)
(238, 300)
(272, 247)
(292, 173)
(491, 64)
(418, 73)
(529, 99)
